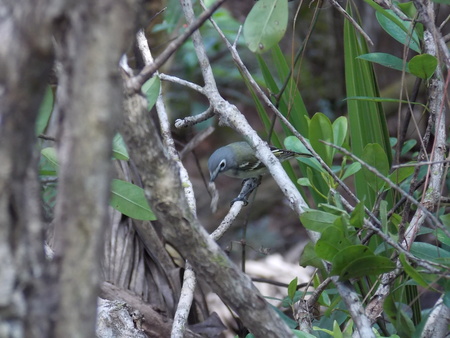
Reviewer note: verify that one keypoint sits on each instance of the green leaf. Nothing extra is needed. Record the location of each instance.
(400, 30)
(351, 253)
(309, 257)
(320, 129)
(430, 252)
(151, 90)
(304, 182)
(266, 24)
(413, 273)
(51, 155)
(407, 146)
(401, 174)
(351, 169)
(120, 151)
(366, 266)
(357, 216)
(130, 200)
(423, 65)
(331, 242)
(375, 157)
(292, 288)
(442, 237)
(301, 334)
(317, 220)
(386, 60)
(45, 111)
(340, 130)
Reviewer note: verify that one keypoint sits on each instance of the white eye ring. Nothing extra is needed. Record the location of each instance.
(222, 164)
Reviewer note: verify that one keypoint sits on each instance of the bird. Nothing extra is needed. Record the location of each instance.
(238, 160)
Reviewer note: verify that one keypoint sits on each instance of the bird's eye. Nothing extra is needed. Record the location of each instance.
(222, 164)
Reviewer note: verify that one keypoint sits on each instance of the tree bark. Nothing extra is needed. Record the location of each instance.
(89, 100)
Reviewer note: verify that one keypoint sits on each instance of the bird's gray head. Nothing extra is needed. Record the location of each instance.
(221, 160)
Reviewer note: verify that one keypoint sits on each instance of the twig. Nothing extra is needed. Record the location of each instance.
(182, 82)
(185, 302)
(196, 140)
(191, 120)
(352, 21)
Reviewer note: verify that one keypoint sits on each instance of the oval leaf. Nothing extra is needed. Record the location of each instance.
(364, 266)
(265, 24)
(398, 29)
(344, 257)
(317, 220)
(387, 60)
(130, 200)
(423, 65)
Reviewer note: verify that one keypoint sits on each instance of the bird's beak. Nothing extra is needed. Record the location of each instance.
(213, 174)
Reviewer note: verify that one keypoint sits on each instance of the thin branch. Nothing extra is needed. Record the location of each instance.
(182, 82)
(352, 21)
(195, 119)
(196, 140)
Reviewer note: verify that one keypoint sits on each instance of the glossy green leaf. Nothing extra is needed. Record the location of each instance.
(332, 240)
(320, 129)
(375, 157)
(130, 200)
(423, 65)
(265, 25)
(52, 156)
(45, 111)
(351, 169)
(151, 89)
(407, 146)
(317, 220)
(344, 257)
(366, 266)
(340, 130)
(401, 174)
(430, 252)
(413, 273)
(120, 151)
(400, 30)
(386, 60)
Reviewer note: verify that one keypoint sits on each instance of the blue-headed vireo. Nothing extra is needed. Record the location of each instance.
(238, 160)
